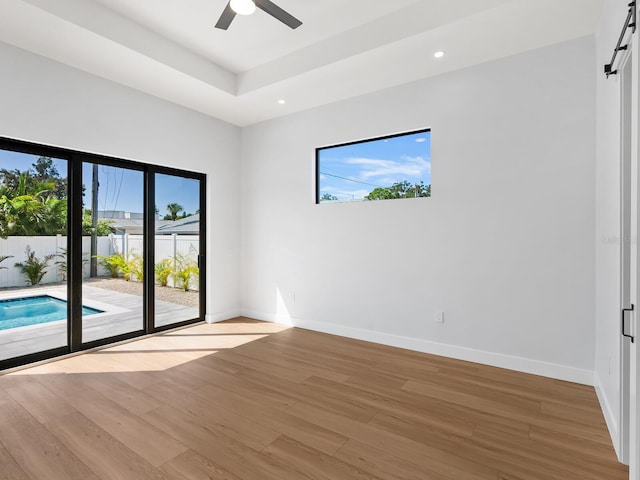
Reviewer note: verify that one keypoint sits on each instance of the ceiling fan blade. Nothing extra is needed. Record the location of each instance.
(276, 12)
(227, 16)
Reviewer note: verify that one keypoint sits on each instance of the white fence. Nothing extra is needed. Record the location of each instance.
(166, 247)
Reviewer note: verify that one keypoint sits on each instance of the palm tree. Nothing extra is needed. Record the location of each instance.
(173, 209)
(32, 215)
(31, 209)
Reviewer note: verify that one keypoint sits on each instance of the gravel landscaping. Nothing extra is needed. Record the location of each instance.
(167, 294)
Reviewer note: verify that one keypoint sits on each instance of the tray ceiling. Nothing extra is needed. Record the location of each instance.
(170, 49)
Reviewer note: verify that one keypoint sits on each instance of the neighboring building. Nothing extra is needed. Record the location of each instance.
(183, 226)
(120, 214)
(133, 223)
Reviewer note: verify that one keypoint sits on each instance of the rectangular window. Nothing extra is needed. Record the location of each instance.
(384, 168)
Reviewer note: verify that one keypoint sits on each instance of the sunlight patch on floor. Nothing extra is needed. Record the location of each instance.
(161, 352)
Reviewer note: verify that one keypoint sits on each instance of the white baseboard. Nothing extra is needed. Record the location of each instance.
(220, 317)
(510, 362)
(609, 417)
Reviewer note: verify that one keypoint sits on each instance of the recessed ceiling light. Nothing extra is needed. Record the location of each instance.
(282, 102)
(243, 7)
(439, 54)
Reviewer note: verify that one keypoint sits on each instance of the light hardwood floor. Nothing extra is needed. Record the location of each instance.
(257, 401)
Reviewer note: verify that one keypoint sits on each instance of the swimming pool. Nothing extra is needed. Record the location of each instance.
(24, 311)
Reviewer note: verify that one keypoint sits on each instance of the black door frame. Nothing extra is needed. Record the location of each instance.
(75, 159)
(150, 244)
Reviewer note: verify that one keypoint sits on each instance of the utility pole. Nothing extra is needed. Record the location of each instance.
(93, 270)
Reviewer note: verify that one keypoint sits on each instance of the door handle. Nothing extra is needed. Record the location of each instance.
(623, 317)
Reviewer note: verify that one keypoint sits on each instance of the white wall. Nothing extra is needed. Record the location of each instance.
(504, 246)
(607, 208)
(49, 103)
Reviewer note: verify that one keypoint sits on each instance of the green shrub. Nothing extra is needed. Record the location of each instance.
(112, 263)
(135, 268)
(131, 268)
(185, 269)
(34, 268)
(163, 271)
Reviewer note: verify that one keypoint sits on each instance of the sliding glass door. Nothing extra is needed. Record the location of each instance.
(177, 229)
(33, 254)
(112, 251)
(94, 250)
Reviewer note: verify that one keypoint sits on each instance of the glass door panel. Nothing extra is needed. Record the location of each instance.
(177, 249)
(112, 251)
(33, 246)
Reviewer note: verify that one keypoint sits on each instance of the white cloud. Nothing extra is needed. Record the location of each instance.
(421, 140)
(387, 180)
(410, 167)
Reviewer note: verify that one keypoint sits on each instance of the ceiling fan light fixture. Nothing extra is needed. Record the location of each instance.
(243, 7)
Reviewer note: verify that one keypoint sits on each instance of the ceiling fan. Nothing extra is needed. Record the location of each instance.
(247, 7)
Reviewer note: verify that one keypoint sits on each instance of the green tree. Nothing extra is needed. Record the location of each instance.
(43, 171)
(173, 209)
(404, 189)
(326, 197)
(33, 202)
(105, 226)
(10, 178)
(31, 208)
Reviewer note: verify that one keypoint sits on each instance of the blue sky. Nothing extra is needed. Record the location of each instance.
(120, 189)
(352, 171)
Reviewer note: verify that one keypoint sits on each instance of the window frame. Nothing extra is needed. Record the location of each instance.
(356, 142)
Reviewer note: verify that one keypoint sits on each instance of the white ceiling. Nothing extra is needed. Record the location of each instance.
(170, 48)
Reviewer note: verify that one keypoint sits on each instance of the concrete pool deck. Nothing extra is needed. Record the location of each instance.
(122, 313)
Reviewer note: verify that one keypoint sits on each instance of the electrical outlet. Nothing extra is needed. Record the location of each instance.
(439, 317)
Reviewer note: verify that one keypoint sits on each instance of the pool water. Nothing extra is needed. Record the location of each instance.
(20, 312)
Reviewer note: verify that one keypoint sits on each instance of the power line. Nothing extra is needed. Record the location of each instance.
(119, 188)
(351, 180)
(105, 191)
